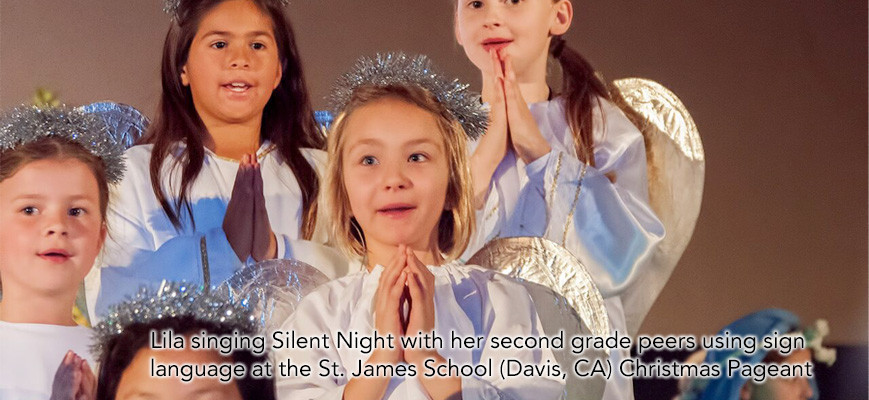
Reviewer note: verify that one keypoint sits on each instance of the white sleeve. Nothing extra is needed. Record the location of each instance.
(509, 311)
(315, 316)
(132, 255)
(608, 225)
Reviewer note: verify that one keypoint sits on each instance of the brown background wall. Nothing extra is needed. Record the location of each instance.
(778, 90)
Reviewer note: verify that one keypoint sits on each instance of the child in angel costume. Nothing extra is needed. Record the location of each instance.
(399, 192)
(55, 168)
(125, 344)
(226, 174)
(572, 167)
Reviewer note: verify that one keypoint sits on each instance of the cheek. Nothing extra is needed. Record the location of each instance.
(437, 188)
(16, 234)
(91, 233)
(356, 191)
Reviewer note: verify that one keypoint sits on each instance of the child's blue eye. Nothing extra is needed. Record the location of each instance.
(369, 160)
(75, 212)
(218, 45)
(29, 210)
(417, 157)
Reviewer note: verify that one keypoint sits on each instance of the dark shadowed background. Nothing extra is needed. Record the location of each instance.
(777, 88)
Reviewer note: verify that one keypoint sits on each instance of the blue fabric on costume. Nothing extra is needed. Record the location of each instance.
(758, 324)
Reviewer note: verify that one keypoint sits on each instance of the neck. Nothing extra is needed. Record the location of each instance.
(234, 140)
(379, 254)
(22, 307)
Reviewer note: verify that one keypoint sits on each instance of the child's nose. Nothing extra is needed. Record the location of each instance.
(806, 388)
(493, 17)
(239, 59)
(395, 179)
(56, 224)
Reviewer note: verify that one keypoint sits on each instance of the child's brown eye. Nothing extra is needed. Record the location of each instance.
(75, 212)
(218, 45)
(417, 157)
(476, 4)
(257, 46)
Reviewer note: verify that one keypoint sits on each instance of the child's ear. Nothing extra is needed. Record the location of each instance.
(562, 18)
(103, 231)
(280, 75)
(184, 80)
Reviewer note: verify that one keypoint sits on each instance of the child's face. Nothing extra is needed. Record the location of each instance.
(396, 173)
(52, 228)
(521, 28)
(137, 382)
(233, 64)
(796, 388)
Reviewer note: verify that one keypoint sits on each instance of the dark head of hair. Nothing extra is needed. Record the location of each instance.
(56, 148)
(582, 90)
(287, 121)
(121, 349)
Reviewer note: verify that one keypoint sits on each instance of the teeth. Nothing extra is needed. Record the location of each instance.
(237, 87)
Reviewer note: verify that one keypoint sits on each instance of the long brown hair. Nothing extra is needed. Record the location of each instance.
(582, 90)
(288, 119)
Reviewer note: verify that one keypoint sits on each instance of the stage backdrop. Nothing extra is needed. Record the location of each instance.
(778, 90)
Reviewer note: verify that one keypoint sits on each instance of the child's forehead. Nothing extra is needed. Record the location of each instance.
(238, 17)
(63, 177)
(392, 122)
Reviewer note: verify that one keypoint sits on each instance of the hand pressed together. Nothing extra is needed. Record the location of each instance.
(74, 379)
(246, 222)
(511, 126)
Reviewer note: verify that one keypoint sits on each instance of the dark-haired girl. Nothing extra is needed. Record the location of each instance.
(226, 174)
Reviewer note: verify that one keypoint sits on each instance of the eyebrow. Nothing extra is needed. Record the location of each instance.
(363, 142)
(248, 34)
(425, 140)
(40, 197)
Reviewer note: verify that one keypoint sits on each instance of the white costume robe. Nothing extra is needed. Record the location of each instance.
(607, 224)
(469, 300)
(31, 353)
(144, 247)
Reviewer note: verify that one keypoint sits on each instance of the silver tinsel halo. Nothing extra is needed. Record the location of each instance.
(400, 69)
(172, 299)
(26, 124)
(171, 7)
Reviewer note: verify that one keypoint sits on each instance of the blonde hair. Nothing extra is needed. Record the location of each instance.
(457, 220)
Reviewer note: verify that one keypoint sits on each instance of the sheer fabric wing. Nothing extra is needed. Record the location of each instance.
(124, 122)
(272, 289)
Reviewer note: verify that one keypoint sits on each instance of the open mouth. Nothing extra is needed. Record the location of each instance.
(55, 255)
(237, 86)
(396, 210)
(496, 44)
